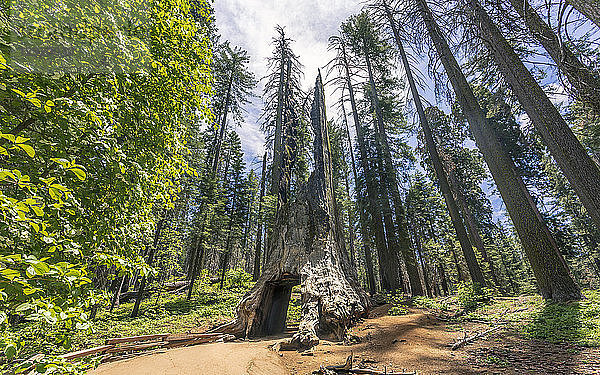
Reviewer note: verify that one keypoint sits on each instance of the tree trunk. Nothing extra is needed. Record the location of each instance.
(350, 226)
(589, 8)
(549, 267)
(196, 265)
(583, 80)
(219, 140)
(140, 294)
(420, 252)
(360, 206)
(444, 280)
(227, 254)
(391, 180)
(457, 222)
(472, 226)
(577, 166)
(460, 274)
(259, 229)
(116, 297)
(375, 221)
(277, 145)
(307, 247)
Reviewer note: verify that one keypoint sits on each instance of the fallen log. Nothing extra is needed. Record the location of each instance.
(123, 340)
(466, 340)
(175, 285)
(87, 352)
(136, 347)
(192, 336)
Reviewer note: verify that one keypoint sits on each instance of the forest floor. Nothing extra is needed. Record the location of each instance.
(535, 338)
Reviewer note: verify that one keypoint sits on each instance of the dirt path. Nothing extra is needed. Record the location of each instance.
(212, 359)
(415, 342)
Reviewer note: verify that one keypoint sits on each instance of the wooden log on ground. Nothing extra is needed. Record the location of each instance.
(123, 340)
(136, 347)
(191, 336)
(87, 352)
(199, 340)
(474, 337)
(169, 287)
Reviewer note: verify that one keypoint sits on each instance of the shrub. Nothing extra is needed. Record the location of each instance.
(237, 278)
(470, 295)
(397, 311)
(430, 303)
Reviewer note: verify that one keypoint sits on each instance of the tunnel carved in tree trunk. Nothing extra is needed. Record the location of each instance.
(307, 248)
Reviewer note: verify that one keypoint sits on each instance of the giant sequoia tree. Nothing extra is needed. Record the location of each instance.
(374, 54)
(307, 248)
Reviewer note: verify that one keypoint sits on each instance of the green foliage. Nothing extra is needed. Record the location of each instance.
(471, 295)
(92, 153)
(430, 303)
(168, 314)
(575, 322)
(397, 310)
(237, 278)
(294, 312)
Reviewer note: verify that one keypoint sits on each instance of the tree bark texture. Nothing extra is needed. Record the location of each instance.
(307, 247)
(583, 81)
(551, 272)
(574, 161)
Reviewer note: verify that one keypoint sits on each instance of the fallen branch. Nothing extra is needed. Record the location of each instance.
(469, 339)
(347, 369)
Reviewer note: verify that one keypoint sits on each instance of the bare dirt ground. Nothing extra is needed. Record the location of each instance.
(414, 342)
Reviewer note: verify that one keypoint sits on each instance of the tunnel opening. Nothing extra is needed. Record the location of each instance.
(277, 301)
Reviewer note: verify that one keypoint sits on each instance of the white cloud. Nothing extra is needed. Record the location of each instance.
(250, 24)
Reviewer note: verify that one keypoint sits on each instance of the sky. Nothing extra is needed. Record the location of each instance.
(250, 24)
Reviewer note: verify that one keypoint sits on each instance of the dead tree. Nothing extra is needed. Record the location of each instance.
(307, 248)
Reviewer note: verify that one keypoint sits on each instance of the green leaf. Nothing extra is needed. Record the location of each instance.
(80, 173)
(28, 149)
(20, 92)
(10, 351)
(63, 162)
(30, 272)
(24, 307)
(9, 137)
(9, 274)
(38, 210)
(41, 268)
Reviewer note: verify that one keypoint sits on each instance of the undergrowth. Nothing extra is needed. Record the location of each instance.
(532, 317)
(169, 313)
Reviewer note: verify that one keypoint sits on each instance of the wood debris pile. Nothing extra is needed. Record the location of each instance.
(348, 369)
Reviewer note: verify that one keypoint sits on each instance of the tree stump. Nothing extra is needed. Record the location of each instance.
(306, 248)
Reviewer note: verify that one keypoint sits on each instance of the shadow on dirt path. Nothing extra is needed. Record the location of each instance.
(414, 342)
